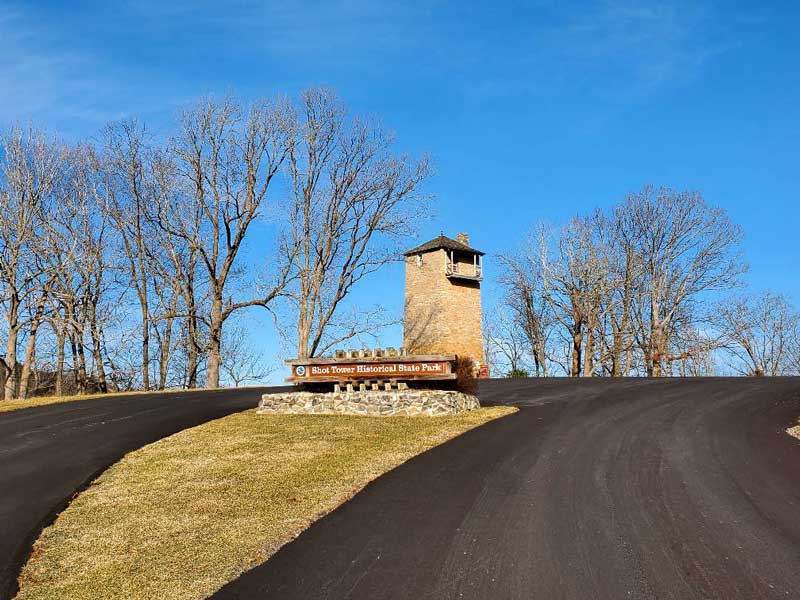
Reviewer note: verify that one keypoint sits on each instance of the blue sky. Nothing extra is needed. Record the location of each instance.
(530, 110)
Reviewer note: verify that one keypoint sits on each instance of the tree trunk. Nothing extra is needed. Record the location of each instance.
(59, 383)
(616, 355)
(12, 382)
(626, 371)
(214, 343)
(588, 357)
(542, 351)
(577, 343)
(3, 379)
(25, 373)
(78, 360)
(10, 391)
(164, 355)
(653, 358)
(302, 343)
(303, 326)
(193, 342)
(97, 351)
(543, 363)
(31, 346)
(145, 348)
(191, 353)
(658, 353)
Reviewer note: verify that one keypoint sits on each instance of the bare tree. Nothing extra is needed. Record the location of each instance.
(177, 263)
(63, 297)
(166, 224)
(242, 363)
(133, 261)
(628, 291)
(575, 283)
(352, 200)
(523, 282)
(687, 248)
(29, 171)
(793, 354)
(228, 158)
(620, 240)
(505, 342)
(35, 320)
(79, 235)
(697, 351)
(129, 192)
(759, 333)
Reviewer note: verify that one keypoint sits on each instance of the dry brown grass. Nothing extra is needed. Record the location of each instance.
(179, 518)
(9, 405)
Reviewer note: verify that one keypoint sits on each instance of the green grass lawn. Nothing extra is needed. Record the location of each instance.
(181, 517)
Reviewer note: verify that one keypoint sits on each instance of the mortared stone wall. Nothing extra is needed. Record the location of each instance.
(442, 315)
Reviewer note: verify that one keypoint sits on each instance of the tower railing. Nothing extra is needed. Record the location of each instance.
(454, 269)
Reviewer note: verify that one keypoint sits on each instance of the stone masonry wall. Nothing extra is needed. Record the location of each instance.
(382, 403)
(442, 316)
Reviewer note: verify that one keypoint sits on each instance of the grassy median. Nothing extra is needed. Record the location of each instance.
(179, 518)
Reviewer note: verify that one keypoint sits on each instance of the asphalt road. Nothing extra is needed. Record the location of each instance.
(595, 490)
(49, 453)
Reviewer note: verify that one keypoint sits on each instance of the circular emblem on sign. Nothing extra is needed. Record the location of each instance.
(300, 370)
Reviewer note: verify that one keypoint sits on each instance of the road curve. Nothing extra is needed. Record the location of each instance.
(48, 453)
(596, 489)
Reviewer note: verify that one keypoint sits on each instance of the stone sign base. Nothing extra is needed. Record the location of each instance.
(408, 402)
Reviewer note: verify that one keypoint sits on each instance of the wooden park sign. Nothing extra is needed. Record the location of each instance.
(389, 368)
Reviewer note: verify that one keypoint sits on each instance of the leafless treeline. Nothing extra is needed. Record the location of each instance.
(124, 262)
(651, 287)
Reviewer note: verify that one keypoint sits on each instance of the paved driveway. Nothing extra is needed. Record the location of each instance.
(50, 452)
(595, 490)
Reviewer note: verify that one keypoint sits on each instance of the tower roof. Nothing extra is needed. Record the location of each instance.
(442, 242)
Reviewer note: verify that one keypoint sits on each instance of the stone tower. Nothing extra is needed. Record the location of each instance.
(443, 298)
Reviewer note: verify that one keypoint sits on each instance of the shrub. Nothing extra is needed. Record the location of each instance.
(514, 373)
(466, 380)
